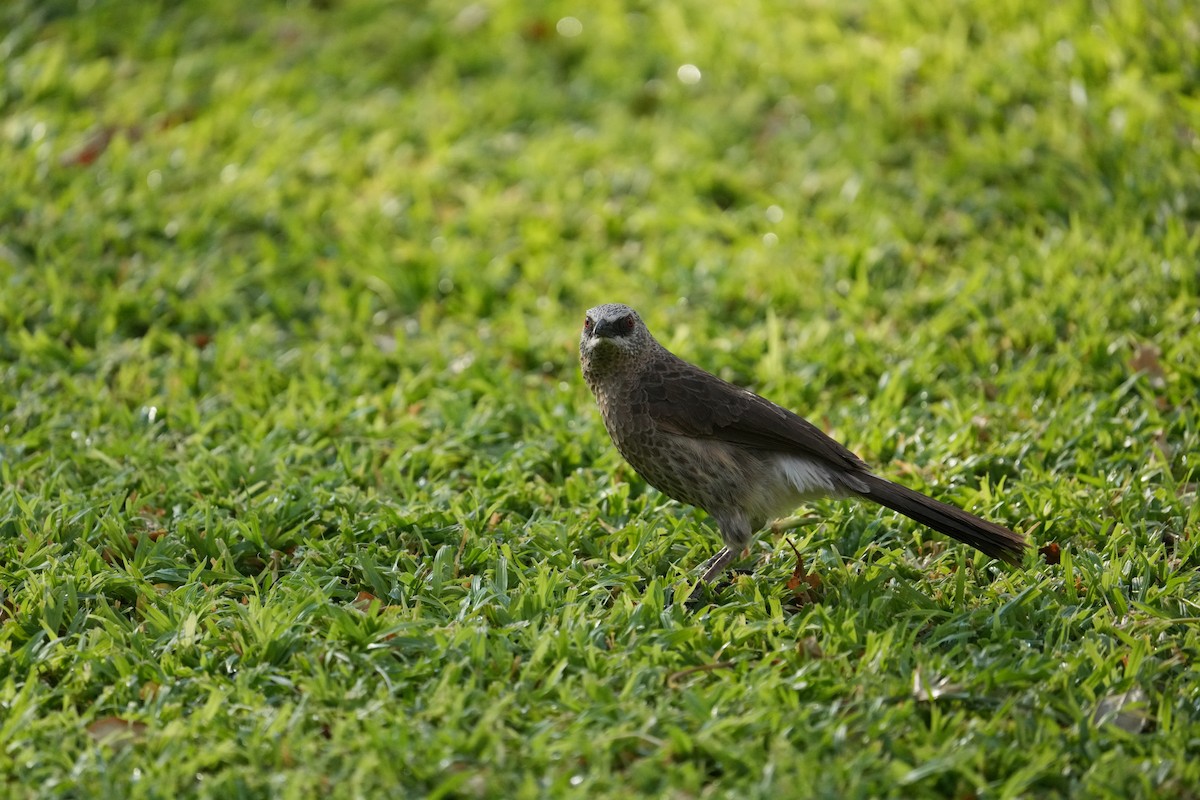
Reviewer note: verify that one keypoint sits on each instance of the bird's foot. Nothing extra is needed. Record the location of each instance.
(706, 592)
(701, 595)
(710, 569)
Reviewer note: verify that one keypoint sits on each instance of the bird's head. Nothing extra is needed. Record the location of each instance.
(612, 334)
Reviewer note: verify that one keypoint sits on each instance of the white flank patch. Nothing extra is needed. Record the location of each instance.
(788, 482)
(809, 478)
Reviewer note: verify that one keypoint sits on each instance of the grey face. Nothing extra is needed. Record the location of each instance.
(612, 334)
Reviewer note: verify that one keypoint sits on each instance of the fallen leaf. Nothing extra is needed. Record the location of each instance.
(92, 148)
(116, 731)
(802, 580)
(1051, 553)
(1145, 359)
(810, 647)
(153, 536)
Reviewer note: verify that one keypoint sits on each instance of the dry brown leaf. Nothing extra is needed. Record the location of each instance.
(802, 580)
(1146, 359)
(116, 731)
(90, 149)
(810, 647)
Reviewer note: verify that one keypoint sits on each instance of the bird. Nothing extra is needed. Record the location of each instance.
(740, 457)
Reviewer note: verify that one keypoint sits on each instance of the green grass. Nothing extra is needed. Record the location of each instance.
(301, 493)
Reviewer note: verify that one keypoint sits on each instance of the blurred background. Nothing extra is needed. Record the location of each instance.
(351, 163)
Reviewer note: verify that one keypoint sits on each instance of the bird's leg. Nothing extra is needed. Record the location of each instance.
(712, 568)
(736, 533)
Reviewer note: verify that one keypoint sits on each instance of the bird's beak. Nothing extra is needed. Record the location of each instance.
(605, 329)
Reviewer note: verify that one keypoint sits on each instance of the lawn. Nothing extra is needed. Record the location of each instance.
(302, 493)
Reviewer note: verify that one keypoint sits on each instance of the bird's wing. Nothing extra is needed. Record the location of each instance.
(688, 401)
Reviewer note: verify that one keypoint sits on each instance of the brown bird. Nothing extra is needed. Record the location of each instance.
(740, 457)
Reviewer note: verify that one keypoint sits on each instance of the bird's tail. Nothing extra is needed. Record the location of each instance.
(995, 540)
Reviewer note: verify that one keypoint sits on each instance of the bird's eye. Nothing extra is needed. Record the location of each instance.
(587, 323)
(627, 323)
